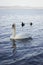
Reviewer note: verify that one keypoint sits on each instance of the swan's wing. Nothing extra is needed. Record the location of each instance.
(20, 36)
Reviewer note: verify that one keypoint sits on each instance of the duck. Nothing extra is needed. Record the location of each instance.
(18, 36)
(23, 24)
(31, 23)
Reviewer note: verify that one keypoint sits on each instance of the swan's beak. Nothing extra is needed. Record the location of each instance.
(13, 26)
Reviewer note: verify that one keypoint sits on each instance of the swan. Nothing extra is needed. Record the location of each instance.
(19, 36)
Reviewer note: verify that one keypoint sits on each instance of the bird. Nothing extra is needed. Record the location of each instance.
(22, 24)
(18, 36)
(31, 24)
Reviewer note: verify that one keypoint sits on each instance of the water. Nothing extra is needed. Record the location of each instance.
(23, 52)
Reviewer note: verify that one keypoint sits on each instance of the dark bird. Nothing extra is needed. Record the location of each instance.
(22, 24)
(31, 23)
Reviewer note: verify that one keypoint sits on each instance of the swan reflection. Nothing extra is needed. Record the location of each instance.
(14, 45)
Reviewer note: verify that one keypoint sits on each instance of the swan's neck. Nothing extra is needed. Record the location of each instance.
(14, 31)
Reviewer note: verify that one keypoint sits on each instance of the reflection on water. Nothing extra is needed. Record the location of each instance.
(13, 44)
(23, 41)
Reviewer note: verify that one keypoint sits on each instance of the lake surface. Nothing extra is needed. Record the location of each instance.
(22, 52)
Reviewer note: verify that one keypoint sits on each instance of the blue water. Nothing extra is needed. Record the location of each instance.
(22, 52)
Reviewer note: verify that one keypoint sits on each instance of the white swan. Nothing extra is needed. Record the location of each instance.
(19, 36)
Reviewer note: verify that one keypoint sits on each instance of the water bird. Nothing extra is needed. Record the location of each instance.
(22, 24)
(31, 23)
(19, 36)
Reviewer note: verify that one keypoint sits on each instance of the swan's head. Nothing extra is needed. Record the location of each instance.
(13, 26)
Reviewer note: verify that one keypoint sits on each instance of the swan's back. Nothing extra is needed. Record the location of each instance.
(21, 36)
